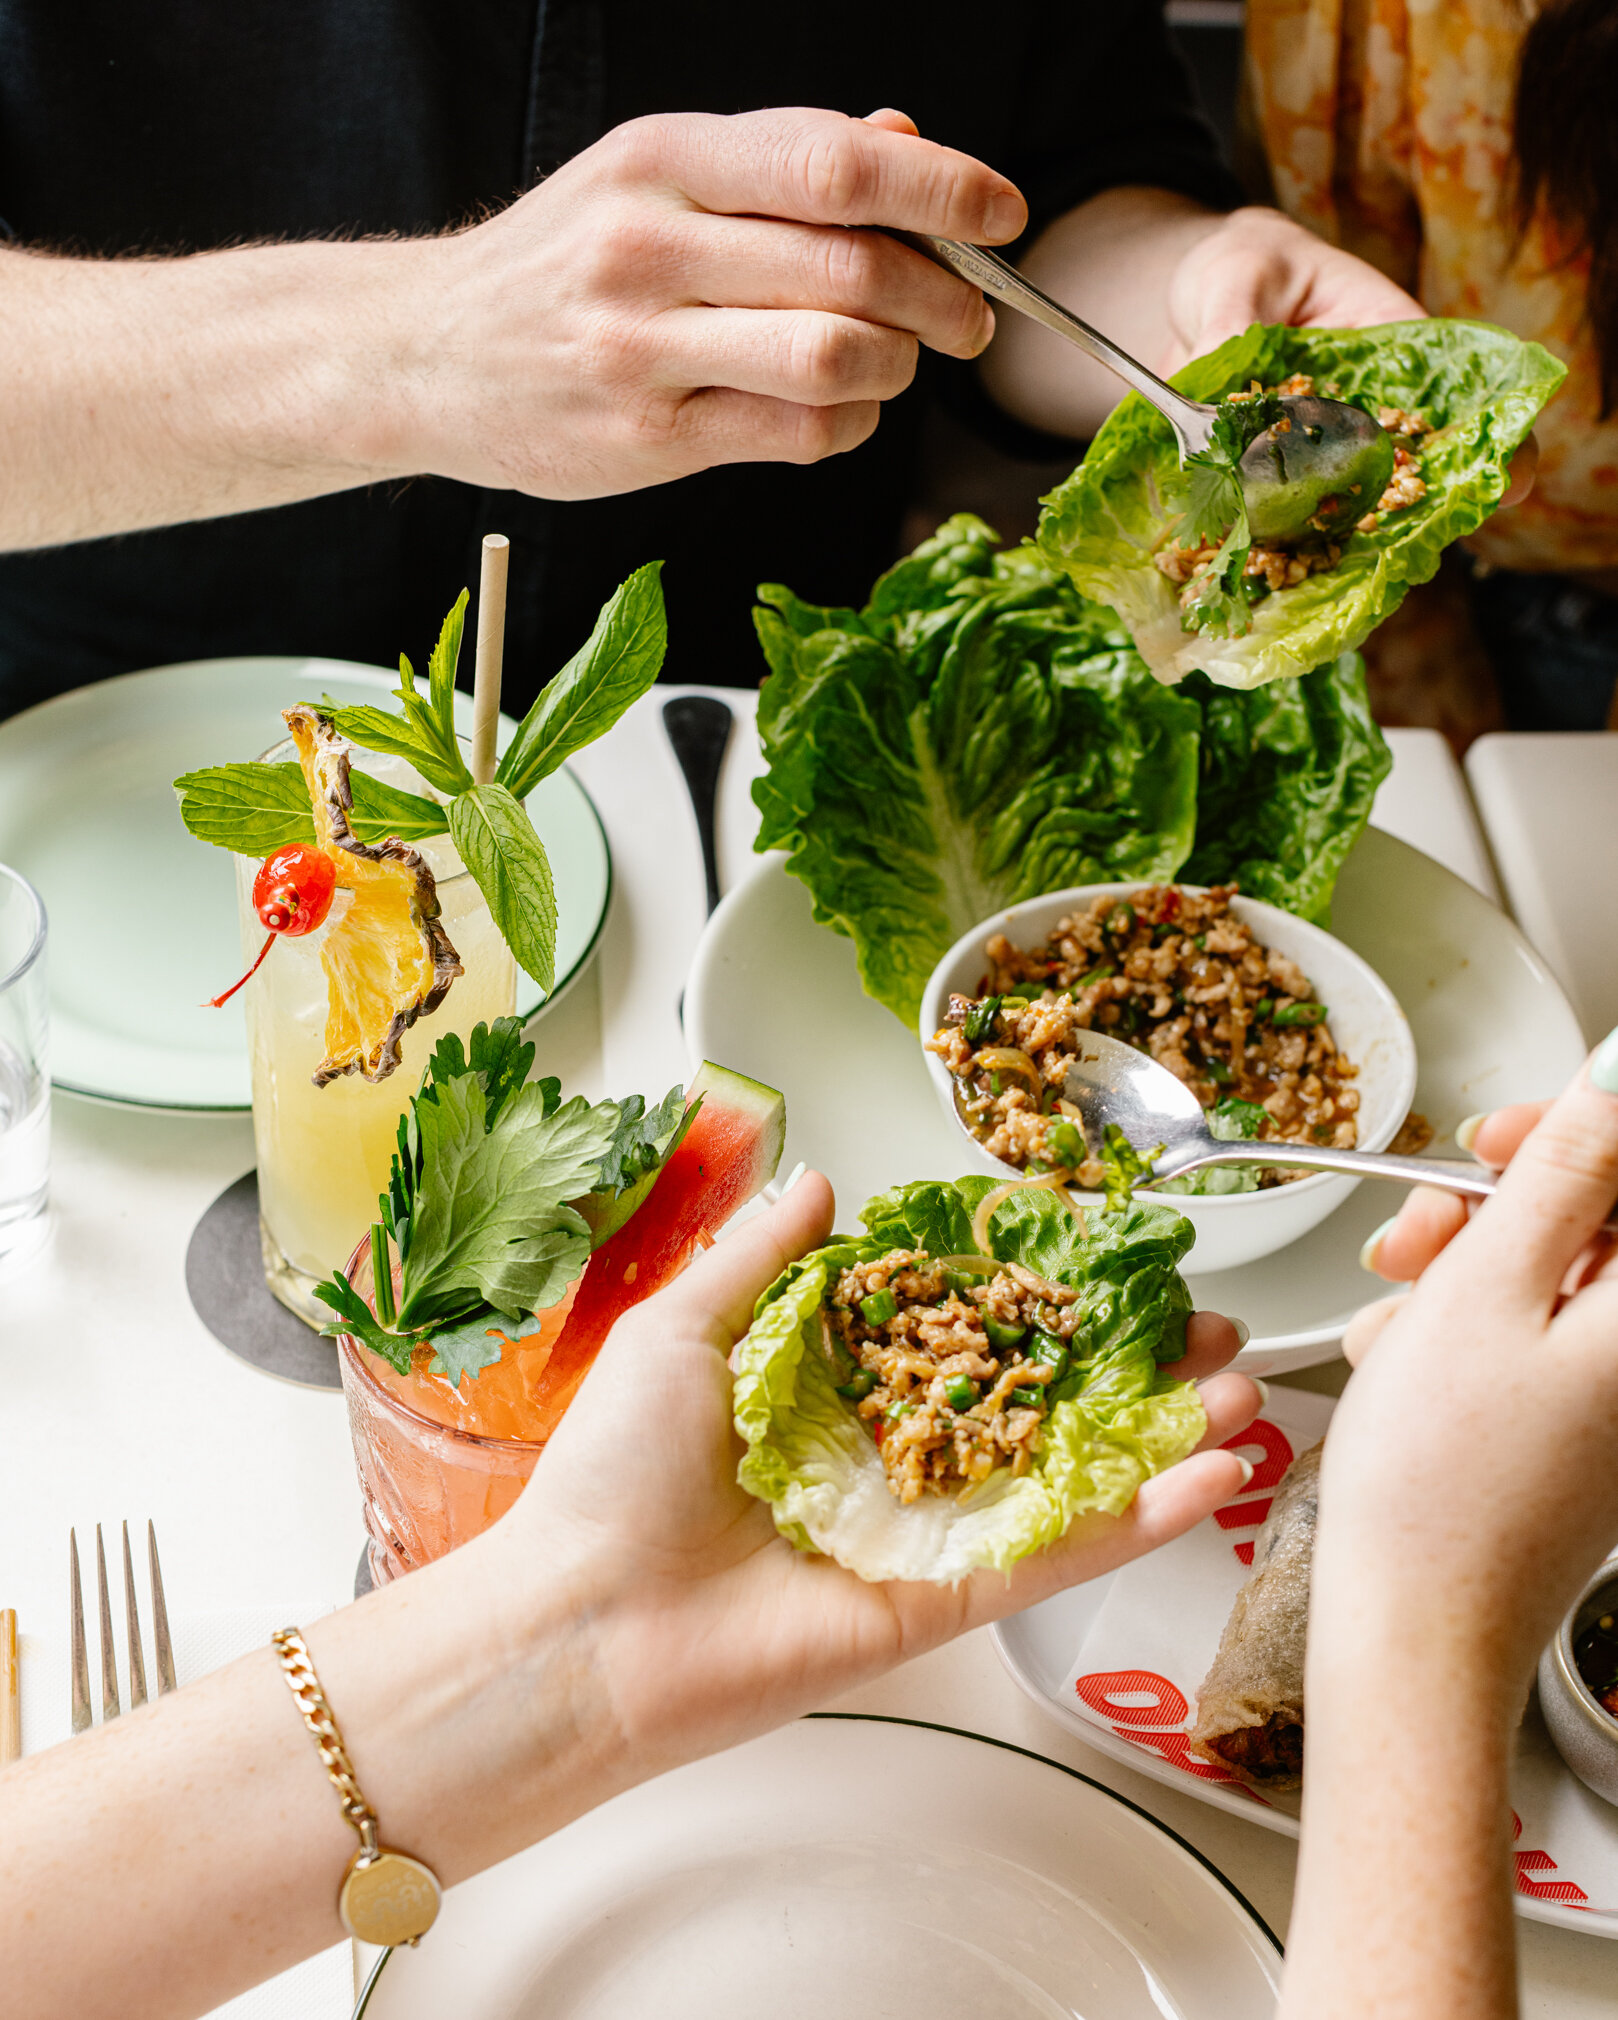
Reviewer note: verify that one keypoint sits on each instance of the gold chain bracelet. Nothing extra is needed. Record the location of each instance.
(386, 1897)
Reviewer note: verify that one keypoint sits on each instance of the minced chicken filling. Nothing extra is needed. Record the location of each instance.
(949, 1363)
(1176, 974)
(1282, 568)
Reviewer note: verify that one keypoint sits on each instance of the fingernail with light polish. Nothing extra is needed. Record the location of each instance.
(1263, 1388)
(792, 1177)
(1604, 1066)
(1247, 1471)
(1466, 1132)
(1244, 1332)
(1373, 1241)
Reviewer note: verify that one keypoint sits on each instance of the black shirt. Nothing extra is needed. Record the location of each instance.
(182, 125)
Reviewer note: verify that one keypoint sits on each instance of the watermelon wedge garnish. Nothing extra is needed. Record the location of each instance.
(729, 1152)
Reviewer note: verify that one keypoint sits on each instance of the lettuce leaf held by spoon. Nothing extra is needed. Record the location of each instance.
(1478, 387)
(1118, 1417)
(978, 734)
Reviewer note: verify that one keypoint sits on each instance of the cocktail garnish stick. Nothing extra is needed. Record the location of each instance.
(490, 653)
(218, 1002)
(382, 1275)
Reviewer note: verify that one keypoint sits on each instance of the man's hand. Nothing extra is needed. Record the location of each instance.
(708, 1627)
(692, 290)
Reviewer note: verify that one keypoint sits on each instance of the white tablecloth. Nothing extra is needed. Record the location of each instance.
(115, 1400)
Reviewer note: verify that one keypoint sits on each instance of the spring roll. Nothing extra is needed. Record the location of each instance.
(1250, 1706)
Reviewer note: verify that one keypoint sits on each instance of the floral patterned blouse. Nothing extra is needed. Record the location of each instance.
(1387, 124)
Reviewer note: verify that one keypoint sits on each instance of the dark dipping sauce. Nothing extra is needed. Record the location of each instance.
(1595, 1652)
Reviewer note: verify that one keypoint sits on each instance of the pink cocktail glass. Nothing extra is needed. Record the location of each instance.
(438, 1465)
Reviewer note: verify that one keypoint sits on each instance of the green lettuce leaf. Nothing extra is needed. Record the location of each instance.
(1481, 388)
(1117, 1417)
(977, 735)
(1288, 773)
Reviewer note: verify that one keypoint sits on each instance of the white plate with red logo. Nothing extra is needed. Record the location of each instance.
(847, 1868)
(1118, 1662)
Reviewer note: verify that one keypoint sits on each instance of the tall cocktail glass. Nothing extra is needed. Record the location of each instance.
(323, 1152)
(438, 1465)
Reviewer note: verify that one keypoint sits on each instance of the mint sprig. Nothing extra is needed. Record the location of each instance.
(254, 809)
(497, 1194)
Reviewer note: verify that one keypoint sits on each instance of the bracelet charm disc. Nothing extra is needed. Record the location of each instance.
(388, 1898)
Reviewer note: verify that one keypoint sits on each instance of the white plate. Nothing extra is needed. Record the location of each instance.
(143, 918)
(778, 997)
(1118, 1663)
(847, 1869)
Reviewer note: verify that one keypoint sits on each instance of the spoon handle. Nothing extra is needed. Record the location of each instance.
(1000, 281)
(1449, 1174)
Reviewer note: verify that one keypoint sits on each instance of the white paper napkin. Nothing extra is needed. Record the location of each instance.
(321, 1988)
(1150, 1643)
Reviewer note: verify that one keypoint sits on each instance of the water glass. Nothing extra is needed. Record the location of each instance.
(25, 1086)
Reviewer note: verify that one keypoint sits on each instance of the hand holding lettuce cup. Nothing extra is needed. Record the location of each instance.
(951, 1390)
(1136, 531)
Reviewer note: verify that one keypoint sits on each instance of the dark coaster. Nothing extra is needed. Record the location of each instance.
(224, 1272)
(362, 1574)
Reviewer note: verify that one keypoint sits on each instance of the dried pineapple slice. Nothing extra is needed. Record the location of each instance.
(387, 959)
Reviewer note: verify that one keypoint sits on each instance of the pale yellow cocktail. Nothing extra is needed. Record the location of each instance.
(323, 1152)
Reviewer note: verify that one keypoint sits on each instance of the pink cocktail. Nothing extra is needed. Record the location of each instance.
(438, 1464)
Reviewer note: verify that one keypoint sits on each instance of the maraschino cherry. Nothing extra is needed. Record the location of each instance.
(292, 894)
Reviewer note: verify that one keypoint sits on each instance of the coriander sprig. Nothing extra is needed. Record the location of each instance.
(1216, 509)
(497, 1194)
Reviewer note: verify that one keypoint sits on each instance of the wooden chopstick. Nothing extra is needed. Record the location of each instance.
(10, 1700)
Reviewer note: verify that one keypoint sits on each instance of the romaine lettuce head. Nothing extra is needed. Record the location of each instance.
(1479, 386)
(1288, 775)
(977, 735)
(1117, 1418)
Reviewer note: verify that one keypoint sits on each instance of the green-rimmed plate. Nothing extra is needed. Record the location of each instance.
(143, 919)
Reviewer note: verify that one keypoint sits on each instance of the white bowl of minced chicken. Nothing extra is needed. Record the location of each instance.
(1280, 1029)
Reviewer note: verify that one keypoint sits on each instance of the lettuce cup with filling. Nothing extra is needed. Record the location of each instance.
(951, 1389)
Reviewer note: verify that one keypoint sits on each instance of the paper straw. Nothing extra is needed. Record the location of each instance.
(490, 649)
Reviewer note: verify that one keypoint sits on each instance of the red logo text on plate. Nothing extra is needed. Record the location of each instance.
(1271, 1453)
(1150, 1712)
(1526, 1864)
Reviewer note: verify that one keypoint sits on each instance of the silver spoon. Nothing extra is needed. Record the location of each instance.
(1327, 470)
(1110, 1082)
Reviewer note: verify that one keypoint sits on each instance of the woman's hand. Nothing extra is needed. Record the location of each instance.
(707, 1626)
(1468, 1488)
(1474, 1448)
(1257, 266)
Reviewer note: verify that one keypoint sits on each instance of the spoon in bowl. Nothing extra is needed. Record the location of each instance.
(1110, 1082)
(1320, 475)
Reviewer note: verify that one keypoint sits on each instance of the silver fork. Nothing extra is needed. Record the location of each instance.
(110, 1706)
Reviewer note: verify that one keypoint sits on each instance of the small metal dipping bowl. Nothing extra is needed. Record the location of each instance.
(1585, 1736)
